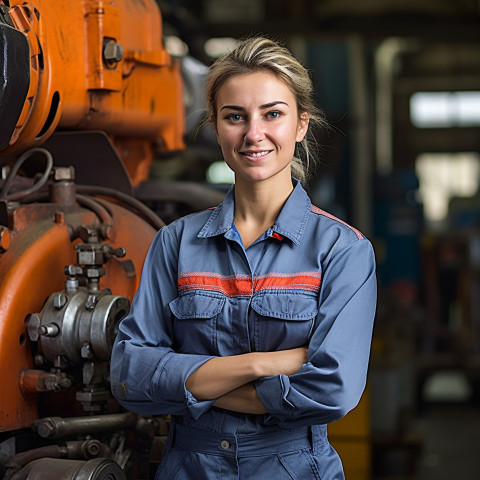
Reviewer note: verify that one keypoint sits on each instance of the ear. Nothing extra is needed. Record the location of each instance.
(302, 127)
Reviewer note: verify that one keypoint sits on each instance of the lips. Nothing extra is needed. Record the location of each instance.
(258, 154)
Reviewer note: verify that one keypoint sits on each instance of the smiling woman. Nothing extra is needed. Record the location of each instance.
(252, 323)
(264, 56)
(258, 126)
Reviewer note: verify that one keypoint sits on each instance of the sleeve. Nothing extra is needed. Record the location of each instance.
(147, 375)
(332, 381)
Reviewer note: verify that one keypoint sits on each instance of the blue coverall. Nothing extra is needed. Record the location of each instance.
(308, 280)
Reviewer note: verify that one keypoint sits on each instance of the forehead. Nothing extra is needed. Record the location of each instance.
(254, 89)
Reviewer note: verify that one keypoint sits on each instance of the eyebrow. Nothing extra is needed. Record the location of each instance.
(266, 105)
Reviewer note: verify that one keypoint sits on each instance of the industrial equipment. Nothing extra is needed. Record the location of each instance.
(88, 96)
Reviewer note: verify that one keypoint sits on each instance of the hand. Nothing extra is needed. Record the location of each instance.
(243, 399)
(221, 375)
(286, 362)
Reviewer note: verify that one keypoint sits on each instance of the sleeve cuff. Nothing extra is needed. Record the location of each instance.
(169, 381)
(197, 407)
(273, 393)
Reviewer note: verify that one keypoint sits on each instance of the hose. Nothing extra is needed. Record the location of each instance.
(132, 202)
(96, 207)
(136, 205)
(16, 167)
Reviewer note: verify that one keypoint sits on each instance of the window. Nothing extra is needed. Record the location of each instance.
(443, 176)
(445, 109)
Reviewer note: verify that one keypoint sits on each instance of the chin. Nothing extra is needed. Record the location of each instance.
(261, 176)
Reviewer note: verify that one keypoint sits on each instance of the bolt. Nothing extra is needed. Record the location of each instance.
(64, 382)
(86, 351)
(64, 173)
(50, 330)
(4, 239)
(59, 217)
(95, 272)
(93, 448)
(33, 327)
(91, 302)
(119, 252)
(46, 428)
(50, 383)
(59, 301)
(71, 285)
(112, 52)
(73, 270)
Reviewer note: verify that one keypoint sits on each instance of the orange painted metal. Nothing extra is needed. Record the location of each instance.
(32, 267)
(136, 97)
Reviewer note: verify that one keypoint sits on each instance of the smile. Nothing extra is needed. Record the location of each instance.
(256, 154)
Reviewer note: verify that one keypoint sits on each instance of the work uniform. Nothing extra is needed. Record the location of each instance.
(308, 280)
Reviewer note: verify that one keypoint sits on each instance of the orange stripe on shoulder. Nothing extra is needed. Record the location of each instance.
(319, 211)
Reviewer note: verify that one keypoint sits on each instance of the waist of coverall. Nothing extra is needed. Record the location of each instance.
(239, 445)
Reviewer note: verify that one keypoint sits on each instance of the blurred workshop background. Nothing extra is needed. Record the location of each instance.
(399, 81)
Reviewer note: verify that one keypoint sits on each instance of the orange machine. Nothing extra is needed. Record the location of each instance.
(88, 96)
(91, 65)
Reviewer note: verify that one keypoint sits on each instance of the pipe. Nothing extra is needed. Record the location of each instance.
(56, 427)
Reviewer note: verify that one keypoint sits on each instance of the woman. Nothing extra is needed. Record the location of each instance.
(252, 323)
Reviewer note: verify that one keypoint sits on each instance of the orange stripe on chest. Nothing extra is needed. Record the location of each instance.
(242, 285)
(290, 282)
(229, 286)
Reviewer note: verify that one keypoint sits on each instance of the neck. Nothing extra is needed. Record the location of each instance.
(257, 206)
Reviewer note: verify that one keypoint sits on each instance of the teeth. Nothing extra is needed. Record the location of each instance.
(259, 154)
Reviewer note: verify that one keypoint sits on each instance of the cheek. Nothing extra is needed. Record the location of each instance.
(288, 139)
(287, 133)
(226, 138)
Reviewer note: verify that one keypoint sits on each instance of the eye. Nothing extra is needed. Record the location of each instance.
(274, 114)
(234, 117)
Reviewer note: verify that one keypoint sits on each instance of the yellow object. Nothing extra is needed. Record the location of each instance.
(351, 438)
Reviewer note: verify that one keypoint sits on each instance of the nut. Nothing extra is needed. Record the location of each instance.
(112, 52)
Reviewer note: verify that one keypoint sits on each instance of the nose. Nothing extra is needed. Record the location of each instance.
(254, 131)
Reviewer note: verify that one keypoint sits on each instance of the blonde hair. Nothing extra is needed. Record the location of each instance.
(256, 54)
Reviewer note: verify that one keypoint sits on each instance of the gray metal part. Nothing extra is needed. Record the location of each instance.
(100, 469)
(61, 469)
(107, 314)
(82, 329)
(65, 344)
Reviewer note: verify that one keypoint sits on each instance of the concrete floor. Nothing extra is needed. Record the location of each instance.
(450, 442)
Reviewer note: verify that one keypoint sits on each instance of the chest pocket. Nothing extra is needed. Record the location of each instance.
(195, 322)
(283, 320)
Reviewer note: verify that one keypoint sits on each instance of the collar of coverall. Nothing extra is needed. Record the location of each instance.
(290, 223)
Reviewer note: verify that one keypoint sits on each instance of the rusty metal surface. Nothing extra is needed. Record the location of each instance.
(33, 267)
